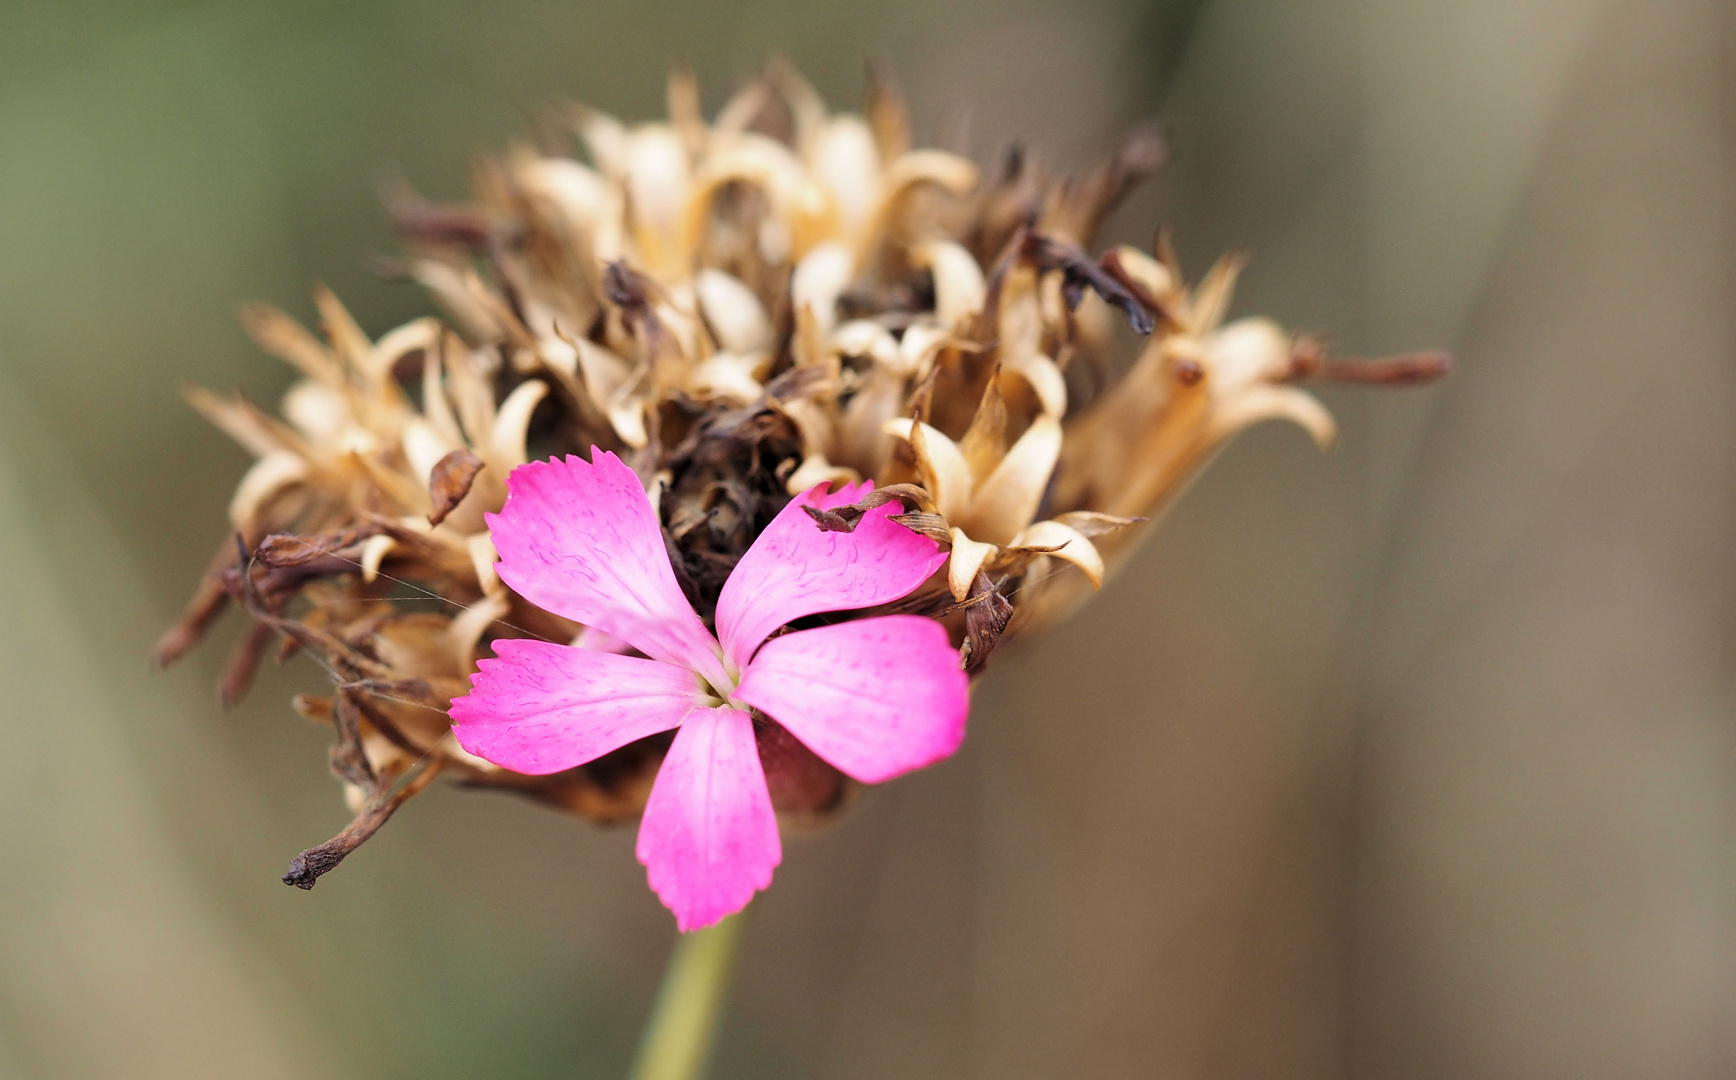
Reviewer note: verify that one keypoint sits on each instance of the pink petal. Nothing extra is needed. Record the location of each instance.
(580, 539)
(795, 569)
(541, 707)
(875, 697)
(709, 839)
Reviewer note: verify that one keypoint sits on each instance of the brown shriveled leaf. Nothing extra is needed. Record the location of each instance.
(986, 614)
(932, 526)
(844, 518)
(910, 495)
(284, 550)
(450, 482)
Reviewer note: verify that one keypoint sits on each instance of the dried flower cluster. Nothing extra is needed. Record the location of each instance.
(740, 310)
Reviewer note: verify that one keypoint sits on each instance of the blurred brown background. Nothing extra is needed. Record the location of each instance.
(1415, 759)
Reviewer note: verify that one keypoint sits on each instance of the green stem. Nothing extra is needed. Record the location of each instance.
(683, 1023)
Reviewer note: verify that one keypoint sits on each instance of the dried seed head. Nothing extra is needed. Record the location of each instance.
(741, 309)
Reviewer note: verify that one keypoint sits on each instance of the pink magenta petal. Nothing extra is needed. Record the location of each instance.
(875, 697)
(580, 539)
(541, 707)
(795, 568)
(709, 839)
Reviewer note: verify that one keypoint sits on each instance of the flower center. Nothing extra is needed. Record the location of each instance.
(719, 694)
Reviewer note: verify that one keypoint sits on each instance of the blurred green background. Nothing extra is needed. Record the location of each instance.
(1413, 759)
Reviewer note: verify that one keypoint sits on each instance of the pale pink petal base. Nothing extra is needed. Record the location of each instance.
(875, 697)
(709, 839)
(540, 707)
(795, 568)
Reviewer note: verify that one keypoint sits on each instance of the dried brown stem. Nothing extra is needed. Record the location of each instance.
(1406, 369)
(307, 868)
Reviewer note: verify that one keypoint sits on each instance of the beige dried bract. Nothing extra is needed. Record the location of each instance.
(742, 309)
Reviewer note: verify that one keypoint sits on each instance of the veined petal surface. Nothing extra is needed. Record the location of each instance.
(709, 838)
(540, 707)
(795, 568)
(874, 697)
(581, 539)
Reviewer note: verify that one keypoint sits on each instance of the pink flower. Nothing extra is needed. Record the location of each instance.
(875, 697)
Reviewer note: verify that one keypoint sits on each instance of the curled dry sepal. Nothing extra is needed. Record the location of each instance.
(740, 311)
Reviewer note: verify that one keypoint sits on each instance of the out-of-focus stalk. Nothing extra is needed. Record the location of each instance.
(684, 1021)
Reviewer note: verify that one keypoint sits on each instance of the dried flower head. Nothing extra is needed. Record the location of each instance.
(741, 310)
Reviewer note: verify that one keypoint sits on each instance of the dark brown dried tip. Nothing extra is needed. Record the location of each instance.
(1111, 264)
(1080, 272)
(450, 482)
(626, 288)
(307, 868)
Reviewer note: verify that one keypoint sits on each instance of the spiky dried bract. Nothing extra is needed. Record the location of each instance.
(740, 309)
